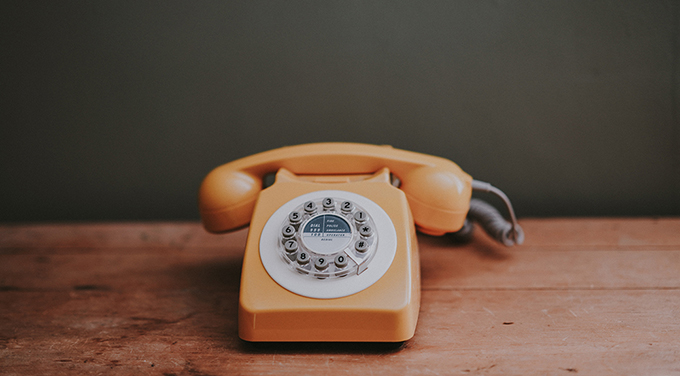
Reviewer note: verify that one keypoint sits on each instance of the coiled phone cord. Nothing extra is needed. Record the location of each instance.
(507, 233)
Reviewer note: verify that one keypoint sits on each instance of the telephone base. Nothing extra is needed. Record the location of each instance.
(386, 310)
(325, 347)
(360, 325)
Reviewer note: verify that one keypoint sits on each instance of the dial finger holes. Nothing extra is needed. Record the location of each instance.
(321, 263)
(340, 261)
(328, 237)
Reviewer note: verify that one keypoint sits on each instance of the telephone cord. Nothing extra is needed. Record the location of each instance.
(507, 233)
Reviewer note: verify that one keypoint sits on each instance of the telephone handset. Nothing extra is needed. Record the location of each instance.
(331, 253)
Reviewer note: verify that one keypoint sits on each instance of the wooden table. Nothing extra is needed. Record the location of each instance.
(582, 296)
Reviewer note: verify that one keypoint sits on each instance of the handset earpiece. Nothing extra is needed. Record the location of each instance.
(439, 198)
(227, 198)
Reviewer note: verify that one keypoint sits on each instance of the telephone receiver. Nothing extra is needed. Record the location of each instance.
(331, 253)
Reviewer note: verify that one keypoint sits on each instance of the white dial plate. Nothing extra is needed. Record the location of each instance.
(332, 227)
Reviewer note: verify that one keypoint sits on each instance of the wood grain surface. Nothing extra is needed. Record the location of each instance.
(580, 297)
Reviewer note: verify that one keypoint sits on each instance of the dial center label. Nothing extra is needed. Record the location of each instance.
(326, 233)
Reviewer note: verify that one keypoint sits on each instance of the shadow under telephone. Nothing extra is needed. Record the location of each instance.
(332, 253)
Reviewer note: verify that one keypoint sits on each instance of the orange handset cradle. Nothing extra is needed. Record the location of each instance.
(331, 253)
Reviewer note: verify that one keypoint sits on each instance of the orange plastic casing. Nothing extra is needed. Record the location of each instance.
(387, 311)
(434, 195)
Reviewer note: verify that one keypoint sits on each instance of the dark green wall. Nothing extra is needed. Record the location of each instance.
(116, 110)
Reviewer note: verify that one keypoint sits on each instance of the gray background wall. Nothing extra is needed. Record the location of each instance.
(116, 110)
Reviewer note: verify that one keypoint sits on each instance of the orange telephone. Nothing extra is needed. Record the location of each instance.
(331, 253)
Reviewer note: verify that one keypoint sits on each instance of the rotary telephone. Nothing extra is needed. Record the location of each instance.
(331, 253)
